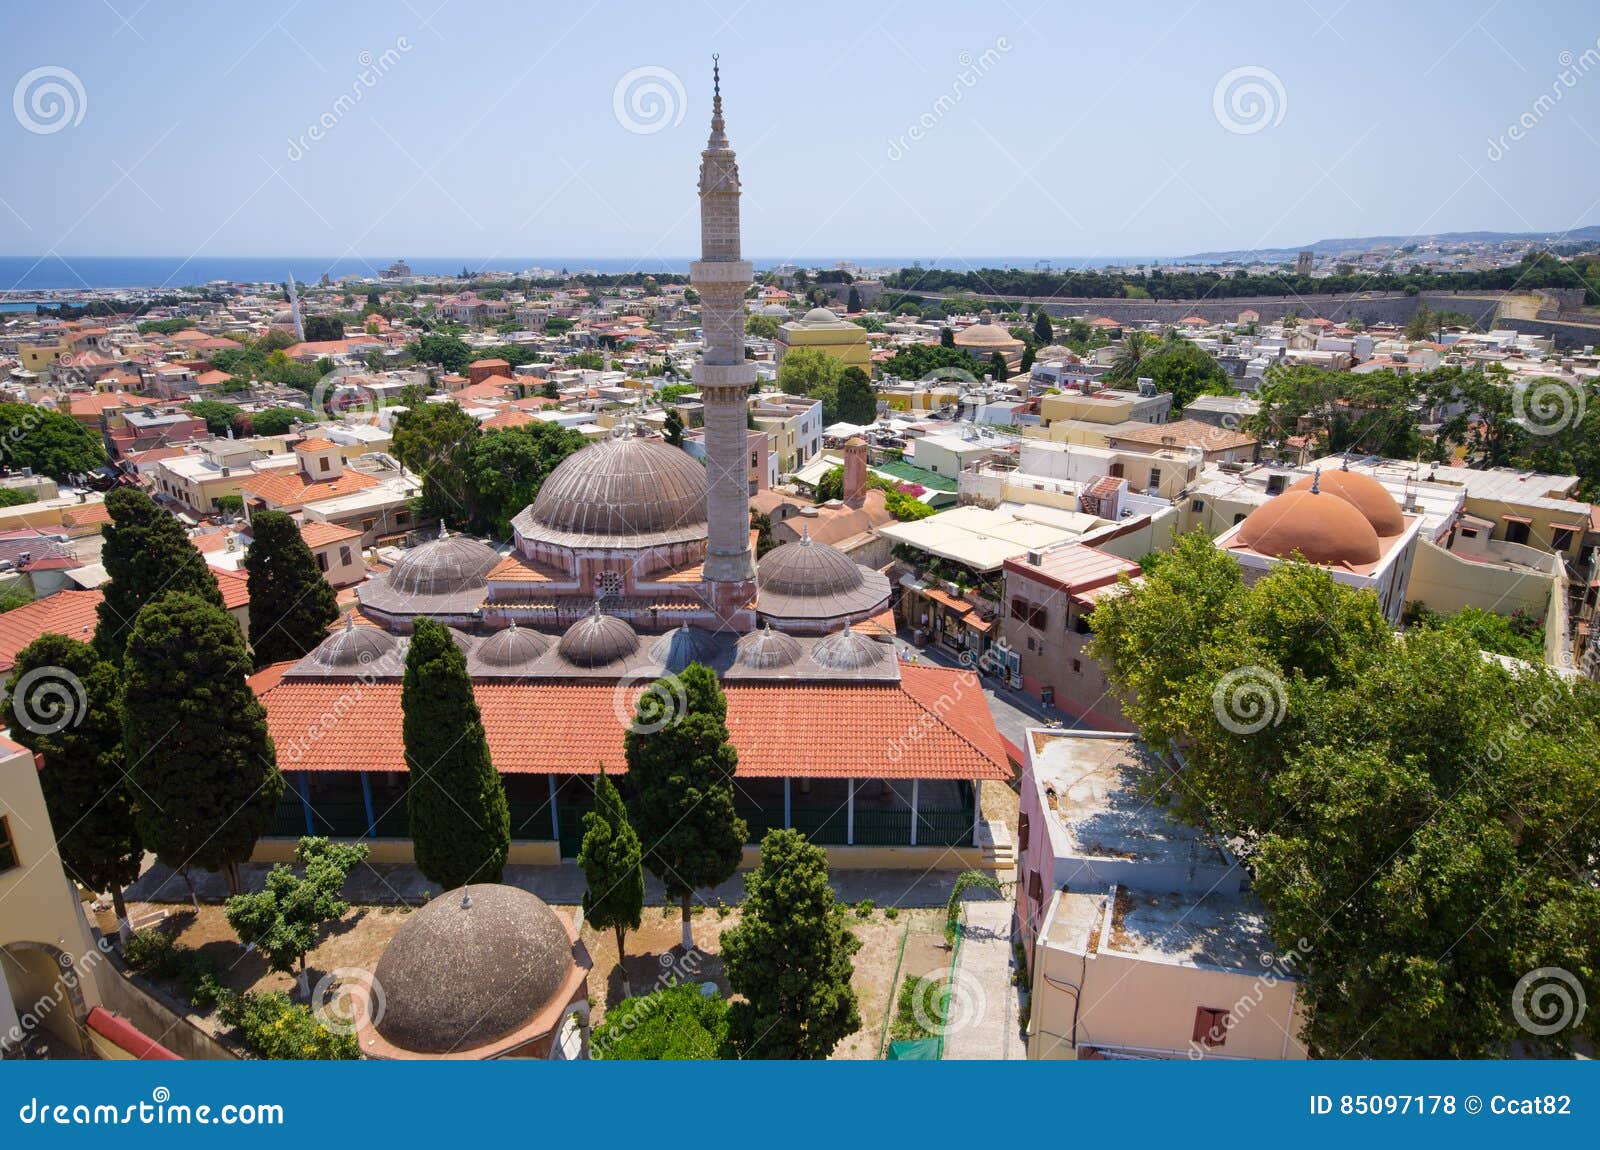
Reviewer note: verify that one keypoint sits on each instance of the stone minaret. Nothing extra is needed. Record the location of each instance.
(723, 376)
(294, 310)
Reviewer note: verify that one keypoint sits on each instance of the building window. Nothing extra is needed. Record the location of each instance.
(1469, 533)
(1155, 478)
(609, 584)
(1198, 505)
(322, 562)
(346, 556)
(1516, 530)
(1035, 887)
(8, 846)
(1022, 831)
(1238, 519)
(324, 463)
(1033, 615)
(1077, 666)
(1210, 1026)
(1116, 471)
(1561, 539)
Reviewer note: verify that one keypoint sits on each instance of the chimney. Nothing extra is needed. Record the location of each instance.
(855, 472)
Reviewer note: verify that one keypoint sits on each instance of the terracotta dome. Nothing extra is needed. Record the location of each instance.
(596, 640)
(986, 333)
(621, 492)
(513, 648)
(470, 967)
(810, 580)
(1321, 526)
(848, 650)
(684, 645)
(764, 649)
(353, 647)
(1362, 492)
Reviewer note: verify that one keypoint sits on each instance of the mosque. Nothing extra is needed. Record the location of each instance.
(635, 560)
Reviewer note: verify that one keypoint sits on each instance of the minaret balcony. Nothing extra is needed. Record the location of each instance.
(721, 272)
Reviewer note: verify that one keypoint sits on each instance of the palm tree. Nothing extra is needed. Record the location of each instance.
(1126, 365)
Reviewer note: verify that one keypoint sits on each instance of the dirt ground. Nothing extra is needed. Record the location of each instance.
(654, 957)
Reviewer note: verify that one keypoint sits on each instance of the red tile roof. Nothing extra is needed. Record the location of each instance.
(934, 723)
(290, 489)
(69, 613)
(317, 533)
(235, 587)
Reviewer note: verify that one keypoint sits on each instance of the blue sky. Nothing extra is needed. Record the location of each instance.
(487, 129)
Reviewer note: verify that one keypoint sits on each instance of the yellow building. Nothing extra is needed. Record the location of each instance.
(823, 331)
(35, 357)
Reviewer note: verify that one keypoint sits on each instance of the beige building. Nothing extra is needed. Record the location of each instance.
(794, 423)
(1142, 941)
(821, 330)
(985, 338)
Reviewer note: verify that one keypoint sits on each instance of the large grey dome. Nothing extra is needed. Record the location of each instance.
(765, 649)
(811, 580)
(512, 649)
(443, 566)
(624, 491)
(848, 650)
(596, 640)
(459, 975)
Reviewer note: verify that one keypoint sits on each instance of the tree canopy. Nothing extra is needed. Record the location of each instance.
(291, 604)
(52, 443)
(284, 919)
(609, 856)
(1420, 822)
(145, 554)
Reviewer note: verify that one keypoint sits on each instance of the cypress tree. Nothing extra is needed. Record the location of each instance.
(681, 770)
(853, 300)
(195, 736)
(67, 707)
(291, 604)
(997, 367)
(790, 957)
(1044, 333)
(460, 821)
(856, 401)
(146, 554)
(947, 337)
(611, 867)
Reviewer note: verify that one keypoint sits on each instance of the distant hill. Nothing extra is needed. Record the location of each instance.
(1333, 247)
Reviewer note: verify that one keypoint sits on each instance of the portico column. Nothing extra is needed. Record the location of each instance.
(788, 820)
(850, 814)
(914, 783)
(977, 808)
(555, 815)
(305, 801)
(366, 797)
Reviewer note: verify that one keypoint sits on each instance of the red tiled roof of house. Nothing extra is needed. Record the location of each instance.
(87, 405)
(293, 490)
(87, 514)
(235, 587)
(314, 445)
(508, 419)
(70, 613)
(317, 533)
(929, 725)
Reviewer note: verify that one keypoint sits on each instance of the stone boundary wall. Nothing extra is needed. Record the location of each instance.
(156, 1016)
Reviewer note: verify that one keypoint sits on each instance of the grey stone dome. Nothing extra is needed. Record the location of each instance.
(449, 564)
(352, 648)
(765, 648)
(464, 972)
(684, 645)
(810, 580)
(597, 640)
(513, 648)
(848, 651)
(625, 491)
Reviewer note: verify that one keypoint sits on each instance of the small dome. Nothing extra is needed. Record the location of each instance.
(448, 564)
(471, 966)
(820, 315)
(596, 640)
(513, 647)
(986, 333)
(684, 645)
(848, 650)
(1362, 492)
(352, 647)
(1322, 527)
(807, 568)
(625, 491)
(765, 648)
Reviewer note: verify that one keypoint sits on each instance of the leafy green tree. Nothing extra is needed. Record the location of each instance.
(14, 497)
(145, 554)
(447, 351)
(761, 326)
(320, 328)
(814, 373)
(291, 604)
(277, 420)
(219, 416)
(996, 367)
(195, 736)
(1418, 821)
(856, 402)
(460, 821)
(1044, 333)
(789, 957)
(680, 770)
(549, 390)
(66, 702)
(610, 858)
(1186, 370)
(1374, 413)
(285, 920)
(674, 1024)
(1129, 362)
(506, 468)
(52, 443)
(437, 442)
(672, 428)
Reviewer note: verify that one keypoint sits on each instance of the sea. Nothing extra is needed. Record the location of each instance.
(55, 273)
